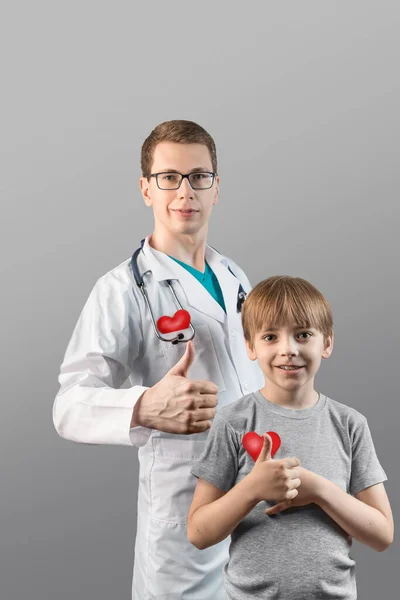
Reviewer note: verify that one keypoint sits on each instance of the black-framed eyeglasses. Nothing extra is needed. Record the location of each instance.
(200, 180)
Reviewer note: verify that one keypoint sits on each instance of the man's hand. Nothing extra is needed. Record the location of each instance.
(307, 493)
(272, 479)
(176, 404)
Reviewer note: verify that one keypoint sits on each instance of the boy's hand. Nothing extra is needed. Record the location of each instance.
(307, 493)
(274, 479)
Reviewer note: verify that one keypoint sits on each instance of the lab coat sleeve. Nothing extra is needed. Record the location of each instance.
(91, 406)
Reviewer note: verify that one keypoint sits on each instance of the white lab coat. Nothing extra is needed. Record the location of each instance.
(112, 357)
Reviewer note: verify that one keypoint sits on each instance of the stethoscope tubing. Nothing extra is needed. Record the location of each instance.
(180, 337)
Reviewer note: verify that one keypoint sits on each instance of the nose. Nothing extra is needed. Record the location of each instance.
(288, 347)
(185, 190)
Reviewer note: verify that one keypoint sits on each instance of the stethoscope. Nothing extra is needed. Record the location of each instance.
(180, 337)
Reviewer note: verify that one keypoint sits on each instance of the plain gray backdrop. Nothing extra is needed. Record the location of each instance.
(303, 100)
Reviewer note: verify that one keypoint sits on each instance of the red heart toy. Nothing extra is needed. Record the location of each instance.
(252, 443)
(180, 320)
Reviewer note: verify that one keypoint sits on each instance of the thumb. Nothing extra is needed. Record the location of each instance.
(182, 366)
(265, 453)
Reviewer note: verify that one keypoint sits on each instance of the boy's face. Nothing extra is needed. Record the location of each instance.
(181, 211)
(280, 349)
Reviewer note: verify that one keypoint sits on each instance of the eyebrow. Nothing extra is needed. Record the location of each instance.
(277, 328)
(194, 170)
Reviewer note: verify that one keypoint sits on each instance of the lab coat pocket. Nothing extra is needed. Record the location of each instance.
(205, 365)
(171, 483)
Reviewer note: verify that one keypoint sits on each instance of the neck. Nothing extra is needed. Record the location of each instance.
(305, 397)
(188, 248)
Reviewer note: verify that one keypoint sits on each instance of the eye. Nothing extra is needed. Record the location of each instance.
(199, 175)
(304, 335)
(269, 337)
(169, 177)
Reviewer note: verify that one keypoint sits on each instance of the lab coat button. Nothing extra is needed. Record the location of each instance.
(233, 332)
(245, 386)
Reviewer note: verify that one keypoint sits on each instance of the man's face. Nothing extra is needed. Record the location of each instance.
(289, 356)
(181, 211)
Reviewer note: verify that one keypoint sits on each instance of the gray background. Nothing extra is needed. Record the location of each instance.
(302, 99)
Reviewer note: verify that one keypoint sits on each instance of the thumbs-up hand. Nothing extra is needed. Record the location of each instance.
(266, 449)
(182, 366)
(272, 479)
(177, 404)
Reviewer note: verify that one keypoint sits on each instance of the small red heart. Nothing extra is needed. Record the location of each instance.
(252, 443)
(180, 320)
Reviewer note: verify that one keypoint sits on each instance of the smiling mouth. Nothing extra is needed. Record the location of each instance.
(289, 368)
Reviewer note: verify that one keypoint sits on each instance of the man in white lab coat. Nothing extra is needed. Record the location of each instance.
(121, 384)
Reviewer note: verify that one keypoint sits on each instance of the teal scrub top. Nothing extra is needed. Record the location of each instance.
(208, 279)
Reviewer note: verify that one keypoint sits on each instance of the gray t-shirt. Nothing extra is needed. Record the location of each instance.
(301, 553)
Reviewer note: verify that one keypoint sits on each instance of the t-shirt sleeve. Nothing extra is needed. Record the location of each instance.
(366, 469)
(218, 463)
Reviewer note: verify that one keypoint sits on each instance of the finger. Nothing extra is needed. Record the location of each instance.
(201, 426)
(295, 483)
(294, 473)
(290, 495)
(202, 386)
(182, 366)
(204, 414)
(265, 453)
(290, 462)
(270, 511)
(206, 401)
(207, 387)
(274, 510)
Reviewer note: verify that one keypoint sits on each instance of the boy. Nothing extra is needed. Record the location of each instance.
(298, 548)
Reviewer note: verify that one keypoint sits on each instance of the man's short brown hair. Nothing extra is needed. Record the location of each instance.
(282, 300)
(181, 132)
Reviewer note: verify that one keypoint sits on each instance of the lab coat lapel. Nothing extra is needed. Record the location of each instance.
(228, 282)
(199, 297)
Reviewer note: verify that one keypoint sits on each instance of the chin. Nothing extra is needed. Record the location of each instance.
(289, 386)
(188, 229)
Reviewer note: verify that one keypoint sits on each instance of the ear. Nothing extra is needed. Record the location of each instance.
(215, 201)
(250, 351)
(144, 185)
(328, 346)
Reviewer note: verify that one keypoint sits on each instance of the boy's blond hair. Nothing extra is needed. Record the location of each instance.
(282, 300)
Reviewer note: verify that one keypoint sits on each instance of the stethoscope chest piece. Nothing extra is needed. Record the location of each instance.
(180, 320)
